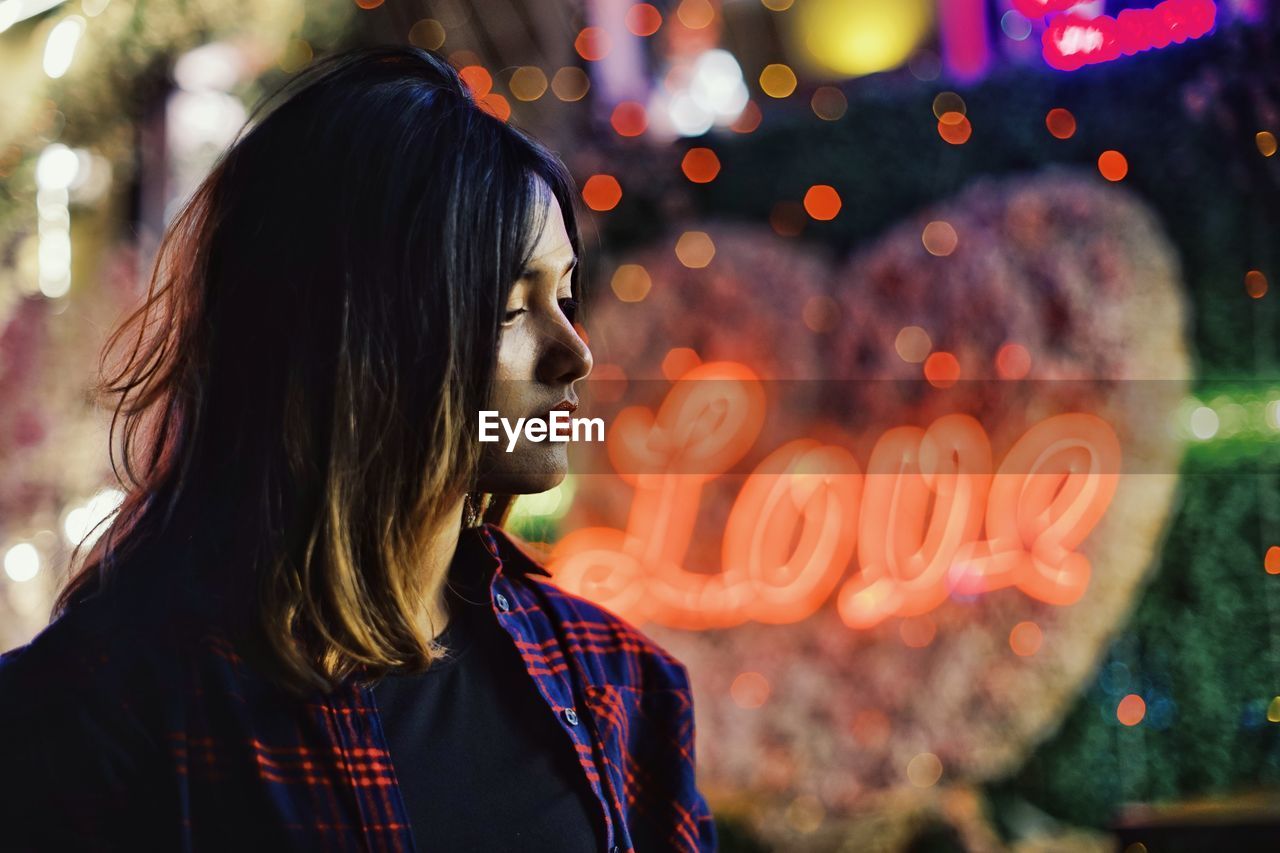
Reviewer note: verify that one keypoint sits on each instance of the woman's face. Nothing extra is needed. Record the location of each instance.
(540, 358)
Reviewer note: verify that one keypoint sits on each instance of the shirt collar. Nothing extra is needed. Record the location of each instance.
(512, 554)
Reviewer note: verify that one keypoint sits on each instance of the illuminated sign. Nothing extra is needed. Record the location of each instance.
(931, 516)
(1071, 41)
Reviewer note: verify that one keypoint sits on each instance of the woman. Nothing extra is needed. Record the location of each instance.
(305, 628)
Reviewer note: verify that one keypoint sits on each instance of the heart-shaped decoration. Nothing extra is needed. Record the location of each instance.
(1054, 293)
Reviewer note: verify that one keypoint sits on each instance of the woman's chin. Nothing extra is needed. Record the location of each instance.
(529, 481)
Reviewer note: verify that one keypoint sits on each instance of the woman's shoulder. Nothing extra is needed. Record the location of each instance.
(100, 653)
(627, 655)
(83, 705)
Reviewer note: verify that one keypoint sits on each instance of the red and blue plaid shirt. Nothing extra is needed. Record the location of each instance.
(123, 728)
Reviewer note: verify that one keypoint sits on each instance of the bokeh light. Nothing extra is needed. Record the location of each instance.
(592, 43)
(820, 313)
(602, 192)
(570, 83)
(749, 690)
(478, 80)
(22, 562)
(787, 218)
(678, 361)
(643, 19)
(463, 58)
(912, 344)
(941, 369)
(924, 770)
(714, 93)
(829, 103)
(60, 46)
(1204, 423)
(1255, 284)
(1025, 639)
(631, 283)
(629, 118)
(1271, 562)
(1131, 710)
(700, 165)
(1266, 142)
(864, 37)
(1113, 165)
(777, 80)
(1060, 122)
(1013, 361)
(1015, 25)
(948, 102)
(955, 128)
(427, 33)
(939, 238)
(695, 249)
(496, 105)
(696, 14)
(527, 83)
(822, 202)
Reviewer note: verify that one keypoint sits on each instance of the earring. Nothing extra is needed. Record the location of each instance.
(471, 510)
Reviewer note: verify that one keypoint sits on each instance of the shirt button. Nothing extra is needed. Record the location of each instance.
(571, 716)
(503, 604)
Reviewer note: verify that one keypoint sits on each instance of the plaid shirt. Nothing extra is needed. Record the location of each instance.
(121, 730)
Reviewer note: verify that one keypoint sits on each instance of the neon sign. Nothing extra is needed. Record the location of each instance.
(915, 520)
(1071, 41)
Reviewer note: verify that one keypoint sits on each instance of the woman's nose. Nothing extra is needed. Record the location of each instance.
(567, 358)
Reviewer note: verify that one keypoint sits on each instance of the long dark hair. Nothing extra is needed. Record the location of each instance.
(320, 328)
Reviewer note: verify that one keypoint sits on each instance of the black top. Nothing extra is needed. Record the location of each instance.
(480, 759)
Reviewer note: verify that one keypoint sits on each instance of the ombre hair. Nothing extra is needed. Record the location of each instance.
(321, 325)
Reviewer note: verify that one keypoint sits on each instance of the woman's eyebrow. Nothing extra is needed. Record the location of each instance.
(533, 272)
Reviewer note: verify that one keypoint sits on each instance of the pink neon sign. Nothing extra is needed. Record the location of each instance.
(930, 517)
(1071, 41)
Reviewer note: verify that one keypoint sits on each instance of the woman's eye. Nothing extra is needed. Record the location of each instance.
(570, 308)
(511, 315)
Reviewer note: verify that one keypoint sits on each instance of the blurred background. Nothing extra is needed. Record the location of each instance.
(829, 193)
